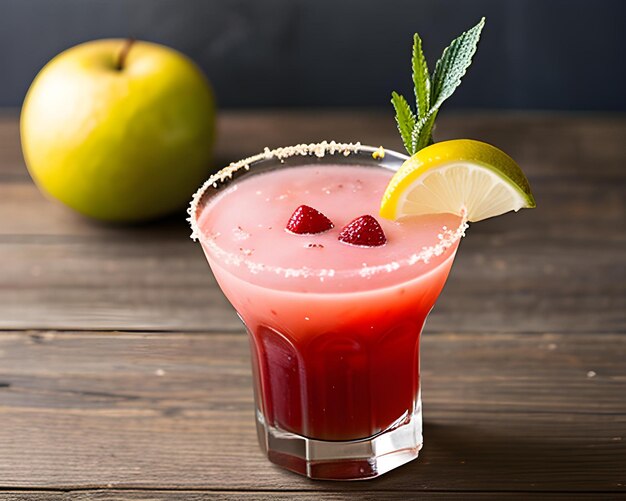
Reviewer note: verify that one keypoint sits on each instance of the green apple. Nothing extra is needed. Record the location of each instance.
(119, 131)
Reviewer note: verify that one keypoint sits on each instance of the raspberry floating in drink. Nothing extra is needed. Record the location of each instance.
(363, 231)
(306, 220)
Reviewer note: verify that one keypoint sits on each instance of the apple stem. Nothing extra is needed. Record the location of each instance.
(121, 58)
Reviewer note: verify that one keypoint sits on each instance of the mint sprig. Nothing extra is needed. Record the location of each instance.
(431, 92)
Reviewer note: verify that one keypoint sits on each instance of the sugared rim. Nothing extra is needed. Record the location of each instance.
(446, 238)
(318, 149)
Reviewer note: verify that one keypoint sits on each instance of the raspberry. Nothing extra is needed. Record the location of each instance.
(306, 220)
(363, 231)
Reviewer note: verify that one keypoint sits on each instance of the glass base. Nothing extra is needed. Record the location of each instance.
(349, 460)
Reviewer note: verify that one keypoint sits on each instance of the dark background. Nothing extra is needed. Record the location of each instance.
(535, 54)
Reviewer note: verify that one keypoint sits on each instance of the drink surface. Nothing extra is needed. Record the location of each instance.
(334, 328)
(245, 229)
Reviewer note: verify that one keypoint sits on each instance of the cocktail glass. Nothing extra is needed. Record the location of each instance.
(336, 378)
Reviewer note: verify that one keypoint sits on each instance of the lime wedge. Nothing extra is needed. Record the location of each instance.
(461, 176)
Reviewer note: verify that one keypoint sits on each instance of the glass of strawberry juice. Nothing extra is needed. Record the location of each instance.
(334, 326)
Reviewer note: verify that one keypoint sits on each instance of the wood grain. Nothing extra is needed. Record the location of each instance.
(546, 144)
(557, 268)
(203, 494)
(161, 282)
(523, 357)
(503, 412)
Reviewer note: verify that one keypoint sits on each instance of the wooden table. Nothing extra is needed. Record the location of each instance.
(124, 373)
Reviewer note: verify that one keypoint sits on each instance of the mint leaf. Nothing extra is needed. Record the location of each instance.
(405, 120)
(453, 64)
(430, 93)
(422, 132)
(421, 80)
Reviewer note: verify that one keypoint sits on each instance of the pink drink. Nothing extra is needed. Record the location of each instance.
(334, 328)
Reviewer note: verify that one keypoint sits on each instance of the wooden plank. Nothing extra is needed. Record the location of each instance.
(567, 208)
(150, 282)
(499, 282)
(546, 144)
(326, 495)
(555, 268)
(163, 282)
(505, 278)
(12, 166)
(503, 412)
